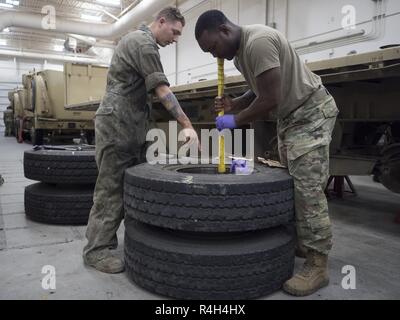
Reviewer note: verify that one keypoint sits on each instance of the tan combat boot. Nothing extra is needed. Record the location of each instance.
(312, 277)
(105, 262)
(300, 252)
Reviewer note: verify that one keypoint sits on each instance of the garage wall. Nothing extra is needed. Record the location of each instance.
(302, 21)
(11, 71)
(321, 21)
(193, 64)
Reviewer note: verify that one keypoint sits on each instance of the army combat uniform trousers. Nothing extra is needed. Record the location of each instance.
(303, 140)
(120, 129)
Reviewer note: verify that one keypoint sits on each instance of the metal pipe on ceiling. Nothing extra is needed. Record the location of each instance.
(47, 56)
(139, 14)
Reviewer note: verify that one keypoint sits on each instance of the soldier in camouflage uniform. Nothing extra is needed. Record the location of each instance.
(121, 125)
(306, 114)
(8, 117)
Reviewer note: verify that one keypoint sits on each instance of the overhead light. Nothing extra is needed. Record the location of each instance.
(3, 42)
(6, 5)
(58, 48)
(90, 17)
(112, 2)
(13, 2)
(6, 30)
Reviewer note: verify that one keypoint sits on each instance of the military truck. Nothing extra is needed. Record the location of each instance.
(17, 103)
(366, 139)
(47, 93)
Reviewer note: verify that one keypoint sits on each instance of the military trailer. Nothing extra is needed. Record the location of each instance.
(47, 93)
(366, 139)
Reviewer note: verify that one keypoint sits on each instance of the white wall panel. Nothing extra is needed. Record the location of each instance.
(193, 64)
(321, 20)
(303, 21)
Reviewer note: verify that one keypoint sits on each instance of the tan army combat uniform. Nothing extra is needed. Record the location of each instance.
(121, 126)
(306, 118)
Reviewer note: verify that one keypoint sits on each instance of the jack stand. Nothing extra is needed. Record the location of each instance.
(83, 138)
(339, 186)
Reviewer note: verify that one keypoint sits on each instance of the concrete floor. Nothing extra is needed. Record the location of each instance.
(365, 236)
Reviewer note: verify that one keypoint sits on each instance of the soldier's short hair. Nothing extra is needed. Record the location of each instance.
(210, 21)
(171, 14)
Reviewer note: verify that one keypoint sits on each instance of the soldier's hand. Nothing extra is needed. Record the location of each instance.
(191, 137)
(223, 103)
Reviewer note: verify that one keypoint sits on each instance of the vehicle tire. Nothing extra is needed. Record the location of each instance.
(61, 166)
(58, 204)
(390, 168)
(37, 136)
(390, 176)
(376, 177)
(228, 266)
(174, 197)
(18, 134)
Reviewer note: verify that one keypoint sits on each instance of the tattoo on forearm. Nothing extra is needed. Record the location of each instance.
(171, 103)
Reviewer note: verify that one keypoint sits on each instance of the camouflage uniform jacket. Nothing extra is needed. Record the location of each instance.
(135, 72)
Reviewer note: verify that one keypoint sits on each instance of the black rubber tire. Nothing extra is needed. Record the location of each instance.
(58, 204)
(159, 195)
(390, 176)
(61, 166)
(219, 267)
(16, 126)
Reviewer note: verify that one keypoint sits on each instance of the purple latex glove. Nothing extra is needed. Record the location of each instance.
(226, 122)
(240, 167)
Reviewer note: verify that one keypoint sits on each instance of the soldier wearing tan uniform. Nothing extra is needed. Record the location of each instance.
(306, 113)
(121, 124)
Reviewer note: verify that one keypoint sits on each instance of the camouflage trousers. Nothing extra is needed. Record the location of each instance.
(120, 132)
(303, 140)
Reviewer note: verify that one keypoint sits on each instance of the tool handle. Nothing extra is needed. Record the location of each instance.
(221, 80)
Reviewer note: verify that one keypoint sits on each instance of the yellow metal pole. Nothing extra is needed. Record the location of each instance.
(221, 80)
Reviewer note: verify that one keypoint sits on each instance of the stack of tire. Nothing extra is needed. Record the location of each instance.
(191, 233)
(67, 177)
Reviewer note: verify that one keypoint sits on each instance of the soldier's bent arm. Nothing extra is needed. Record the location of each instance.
(269, 88)
(243, 101)
(171, 103)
